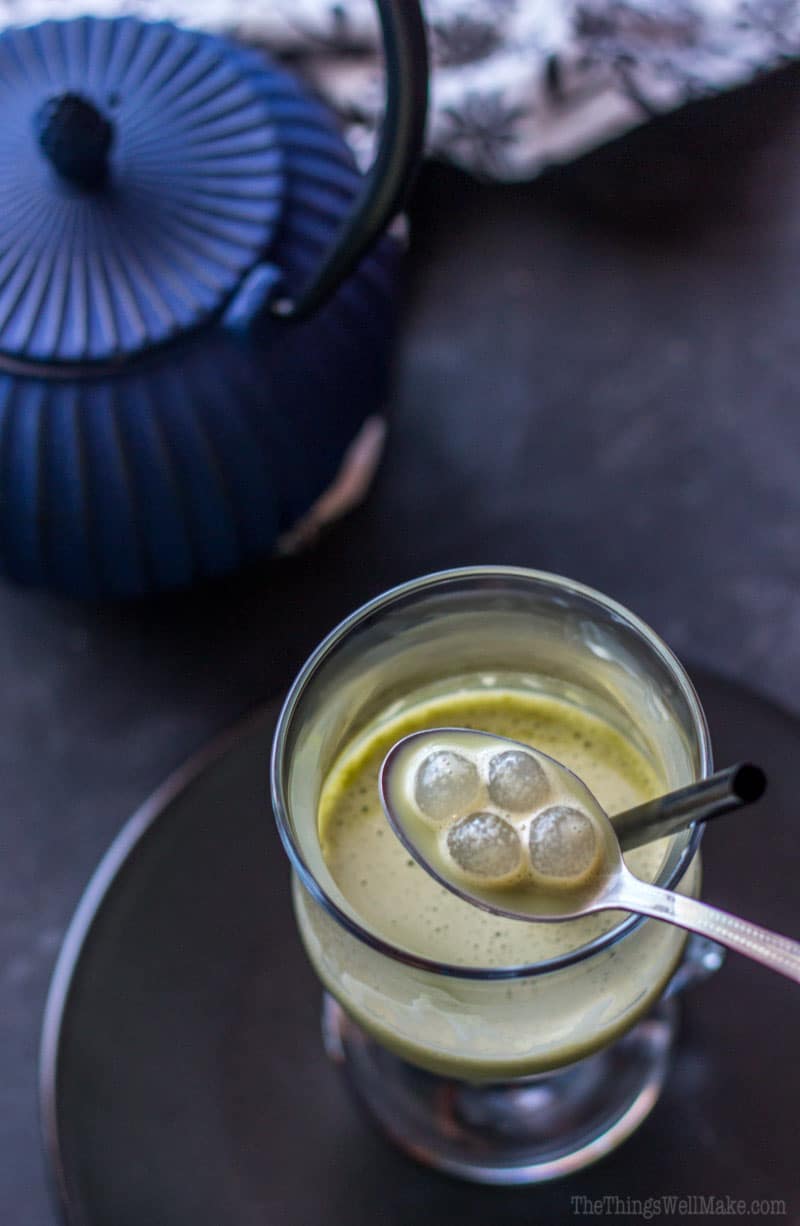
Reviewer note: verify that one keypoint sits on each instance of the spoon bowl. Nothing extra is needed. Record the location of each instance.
(422, 836)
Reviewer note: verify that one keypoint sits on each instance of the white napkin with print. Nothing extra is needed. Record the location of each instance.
(516, 84)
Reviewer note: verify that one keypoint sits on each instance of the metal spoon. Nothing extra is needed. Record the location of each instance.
(533, 887)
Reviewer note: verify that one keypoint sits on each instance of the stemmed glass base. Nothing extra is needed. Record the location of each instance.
(515, 1132)
(531, 1129)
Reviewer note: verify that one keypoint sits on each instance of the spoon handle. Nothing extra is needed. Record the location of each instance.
(777, 952)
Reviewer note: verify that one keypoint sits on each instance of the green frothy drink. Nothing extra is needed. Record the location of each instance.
(399, 900)
(462, 1027)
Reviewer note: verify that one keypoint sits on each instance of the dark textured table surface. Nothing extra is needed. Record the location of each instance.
(598, 376)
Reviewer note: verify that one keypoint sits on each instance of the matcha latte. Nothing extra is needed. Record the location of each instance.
(497, 1027)
(401, 901)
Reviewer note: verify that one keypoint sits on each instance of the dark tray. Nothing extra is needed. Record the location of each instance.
(183, 1078)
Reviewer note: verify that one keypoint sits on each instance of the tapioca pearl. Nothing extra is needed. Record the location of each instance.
(563, 843)
(485, 846)
(517, 782)
(446, 784)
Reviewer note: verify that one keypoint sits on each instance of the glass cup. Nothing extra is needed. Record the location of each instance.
(509, 1074)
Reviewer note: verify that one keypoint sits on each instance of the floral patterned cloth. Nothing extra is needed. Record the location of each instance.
(516, 84)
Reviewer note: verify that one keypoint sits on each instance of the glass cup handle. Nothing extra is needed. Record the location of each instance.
(701, 959)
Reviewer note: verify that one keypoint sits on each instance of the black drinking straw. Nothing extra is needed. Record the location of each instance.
(720, 793)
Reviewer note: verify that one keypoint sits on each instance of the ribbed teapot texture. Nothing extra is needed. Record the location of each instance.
(157, 424)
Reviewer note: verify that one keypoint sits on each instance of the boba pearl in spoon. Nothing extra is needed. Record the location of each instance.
(511, 830)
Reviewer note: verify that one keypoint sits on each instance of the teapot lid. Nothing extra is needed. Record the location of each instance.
(140, 180)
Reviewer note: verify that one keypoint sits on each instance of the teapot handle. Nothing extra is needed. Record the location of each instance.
(396, 162)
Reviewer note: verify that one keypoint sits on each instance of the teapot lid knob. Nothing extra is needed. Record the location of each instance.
(76, 137)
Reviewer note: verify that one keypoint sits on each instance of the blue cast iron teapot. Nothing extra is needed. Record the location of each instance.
(196, 308)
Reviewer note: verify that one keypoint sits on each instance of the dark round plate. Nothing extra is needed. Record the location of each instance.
(183, 1081)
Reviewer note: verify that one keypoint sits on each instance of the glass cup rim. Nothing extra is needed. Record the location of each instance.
(379, 604)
